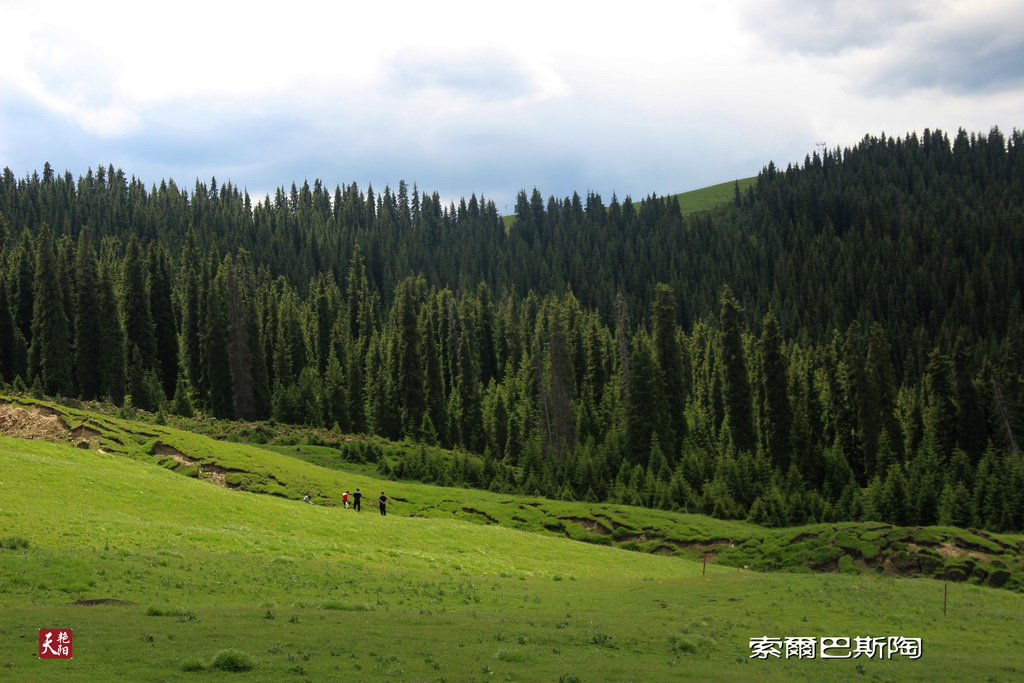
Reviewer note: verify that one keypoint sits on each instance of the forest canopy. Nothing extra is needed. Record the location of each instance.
(842, 341)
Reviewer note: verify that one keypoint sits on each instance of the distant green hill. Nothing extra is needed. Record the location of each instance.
(711, 197)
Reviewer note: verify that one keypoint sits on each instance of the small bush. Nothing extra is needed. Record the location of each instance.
(511, 655)
(14, 543)
(690, 644)
(232, 660)
(258, 437)
(193, 665)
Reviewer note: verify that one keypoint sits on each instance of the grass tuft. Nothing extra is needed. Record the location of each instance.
(232, 660)
(14, 543)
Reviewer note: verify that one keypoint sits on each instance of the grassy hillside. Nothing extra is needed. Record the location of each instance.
(324, 471)
(318, 591)
(710, 197)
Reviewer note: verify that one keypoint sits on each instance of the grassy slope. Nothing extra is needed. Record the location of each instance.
(954, 554)
(710, 197)
(331, 593)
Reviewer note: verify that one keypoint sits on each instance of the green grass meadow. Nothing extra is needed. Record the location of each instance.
(220, 584)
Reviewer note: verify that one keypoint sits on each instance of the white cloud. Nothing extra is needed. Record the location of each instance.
(464, 98)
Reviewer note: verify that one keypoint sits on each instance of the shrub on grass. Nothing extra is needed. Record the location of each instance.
(193, 665)
(258, 438)
(690, 644)
(14, 542)
(512, 655)
(232, 660)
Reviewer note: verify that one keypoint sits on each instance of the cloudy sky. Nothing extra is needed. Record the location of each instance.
(468, 97)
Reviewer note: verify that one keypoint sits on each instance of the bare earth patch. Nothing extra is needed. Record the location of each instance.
(952, 550)
(160, 448)
(591, 525)
(32, 423)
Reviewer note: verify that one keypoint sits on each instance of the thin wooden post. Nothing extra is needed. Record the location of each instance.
(705, 570)
(945, 596)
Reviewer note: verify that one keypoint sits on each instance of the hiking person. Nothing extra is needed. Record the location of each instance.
(344, 499)
(383, 500)
(357, 498)
(306, 500)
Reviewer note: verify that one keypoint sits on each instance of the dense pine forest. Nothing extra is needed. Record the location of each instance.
(843, 341)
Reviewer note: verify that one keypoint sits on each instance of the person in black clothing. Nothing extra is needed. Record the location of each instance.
(356, 497)
(383, 500)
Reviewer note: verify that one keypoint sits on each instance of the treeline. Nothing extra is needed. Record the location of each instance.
(872, 371)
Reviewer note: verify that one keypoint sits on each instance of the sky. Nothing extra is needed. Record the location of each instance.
(469, 98)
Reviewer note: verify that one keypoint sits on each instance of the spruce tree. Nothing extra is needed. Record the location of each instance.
(645, 412)
(189, 304)
(776, 413)
(50, 353)
(138, 318)
(88, 324)
(216, 337)
(165, 328)
(736, 391)
(669, 356)
(407, 365)
(112, 341)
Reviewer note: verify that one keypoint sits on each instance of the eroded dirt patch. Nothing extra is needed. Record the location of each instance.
(85, 437)
(36, 422)
(161, 448)
(215, 474)
(952, 550)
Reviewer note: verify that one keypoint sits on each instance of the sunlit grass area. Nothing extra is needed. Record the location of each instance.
(329, 593)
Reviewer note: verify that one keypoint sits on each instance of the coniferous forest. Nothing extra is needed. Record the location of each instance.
(843, 341)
